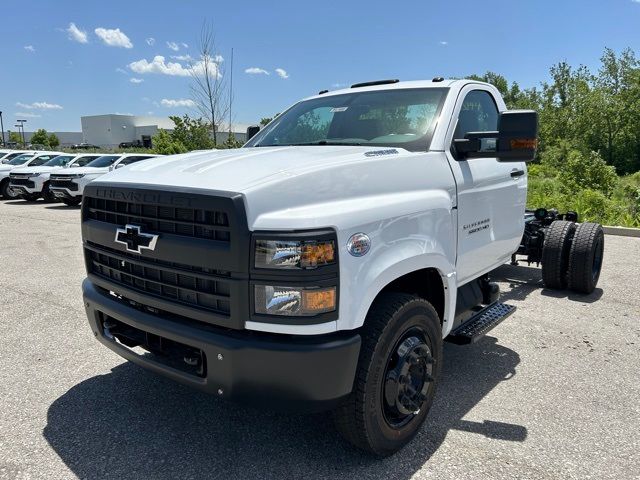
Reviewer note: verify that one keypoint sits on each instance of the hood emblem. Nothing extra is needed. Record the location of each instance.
(132, 237)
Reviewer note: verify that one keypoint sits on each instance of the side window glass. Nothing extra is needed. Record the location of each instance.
(479, 113)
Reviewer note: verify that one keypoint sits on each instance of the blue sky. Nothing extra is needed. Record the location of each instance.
(52, 74)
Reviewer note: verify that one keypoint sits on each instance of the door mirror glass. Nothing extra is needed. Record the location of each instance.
(516, 139)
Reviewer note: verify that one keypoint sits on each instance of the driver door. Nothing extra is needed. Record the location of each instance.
(491, 195)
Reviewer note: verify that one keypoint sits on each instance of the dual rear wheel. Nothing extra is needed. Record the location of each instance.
(572, 256)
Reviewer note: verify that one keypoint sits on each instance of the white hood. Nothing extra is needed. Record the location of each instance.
(240, 170)
(313, 184)
(41, 169)
(83, 171)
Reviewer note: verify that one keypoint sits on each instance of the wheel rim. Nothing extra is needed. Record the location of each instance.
(597, 258)
(408, 377)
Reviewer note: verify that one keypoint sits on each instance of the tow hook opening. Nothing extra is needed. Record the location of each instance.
(177, 355)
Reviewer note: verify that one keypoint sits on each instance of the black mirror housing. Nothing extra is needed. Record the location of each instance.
(515, 141)
(252, 131)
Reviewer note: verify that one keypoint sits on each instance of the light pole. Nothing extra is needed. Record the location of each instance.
(2, 129)
(24, 140)
(18, 126)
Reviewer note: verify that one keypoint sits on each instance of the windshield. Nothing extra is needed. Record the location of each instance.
(103, 161)
(402, 118)
(59, 161)
(20, 159)
(83, 161)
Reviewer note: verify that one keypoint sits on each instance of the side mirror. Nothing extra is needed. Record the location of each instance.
(74, 165)
(120, 165)
(252, 131)
(515, 141)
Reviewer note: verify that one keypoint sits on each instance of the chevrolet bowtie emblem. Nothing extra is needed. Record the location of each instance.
(132, 237)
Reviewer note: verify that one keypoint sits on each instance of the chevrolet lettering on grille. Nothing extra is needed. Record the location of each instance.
(132, 237)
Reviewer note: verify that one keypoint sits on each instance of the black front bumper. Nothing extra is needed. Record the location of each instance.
(278, 371)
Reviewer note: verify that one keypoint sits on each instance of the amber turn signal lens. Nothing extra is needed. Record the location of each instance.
(317, 301)
(314, 254)
(524, 144)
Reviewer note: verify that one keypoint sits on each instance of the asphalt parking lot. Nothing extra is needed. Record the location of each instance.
(553, 392)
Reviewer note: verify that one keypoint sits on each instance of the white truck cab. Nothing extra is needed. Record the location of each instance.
(31, 183)
(30, 158)
(68, 186)
(322, 265)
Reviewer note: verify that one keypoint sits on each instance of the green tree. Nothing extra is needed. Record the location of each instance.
(590, 171)
(164, 144)
(14, 137)
(193, 133)
(53, 140)
(40, 137)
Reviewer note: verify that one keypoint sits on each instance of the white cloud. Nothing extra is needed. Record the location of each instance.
(182, 58)
(173, 46)
(29, 48)
(282, 73)
(256, 71)
(27, 115)
(122, 70)
(181, 102)
(76, 34)
(158, 65)
(136, 80)
(151, 41)
(176, 69)
(184, 45)
(113, 37)
(39, 106)
(443, 43)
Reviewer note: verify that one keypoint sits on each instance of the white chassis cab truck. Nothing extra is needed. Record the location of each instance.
(68, 186)
(322, 265)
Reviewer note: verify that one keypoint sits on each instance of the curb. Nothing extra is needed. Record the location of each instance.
(622, 231)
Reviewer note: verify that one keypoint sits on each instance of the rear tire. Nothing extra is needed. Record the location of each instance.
(585, 257)
(555, 254)
(398, 369)
(71, 202)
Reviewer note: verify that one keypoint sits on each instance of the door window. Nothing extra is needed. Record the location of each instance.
(479, 113)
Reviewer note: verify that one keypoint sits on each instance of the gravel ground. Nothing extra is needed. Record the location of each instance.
(550, 393)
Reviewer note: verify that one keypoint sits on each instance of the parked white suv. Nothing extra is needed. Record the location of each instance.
(32, 159)
(69, 186)
(31, 183)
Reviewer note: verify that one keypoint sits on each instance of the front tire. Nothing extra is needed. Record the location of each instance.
(6, 192)
(398, 369)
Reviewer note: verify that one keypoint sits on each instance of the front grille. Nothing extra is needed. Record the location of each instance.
(68, 184)
(189, 222)
(25, 182)
(205, 290)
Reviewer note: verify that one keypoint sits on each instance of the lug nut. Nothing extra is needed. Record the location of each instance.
(220, 392)
(220, 357)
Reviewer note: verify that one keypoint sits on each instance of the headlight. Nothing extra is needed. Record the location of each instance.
(34, 175)
(294, 254)
(294, 301)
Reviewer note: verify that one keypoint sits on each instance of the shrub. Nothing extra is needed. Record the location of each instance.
(587, 171)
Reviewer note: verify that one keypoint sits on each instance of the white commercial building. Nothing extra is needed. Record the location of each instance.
(112, 130)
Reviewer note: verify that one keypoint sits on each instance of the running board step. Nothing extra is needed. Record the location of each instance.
(480, 324)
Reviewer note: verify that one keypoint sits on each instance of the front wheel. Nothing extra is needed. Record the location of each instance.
(398, 369)
(6, 191)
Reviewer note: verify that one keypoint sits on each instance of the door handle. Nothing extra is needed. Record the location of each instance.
(517, 173)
